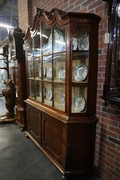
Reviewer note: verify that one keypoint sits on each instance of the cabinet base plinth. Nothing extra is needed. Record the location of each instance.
(20, 117)
(64, 177)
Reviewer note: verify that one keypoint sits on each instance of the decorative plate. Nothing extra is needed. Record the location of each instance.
(80, 72)
(59, 43)
(49, 94)
(79, 103)
(61, 74)
(62, 98)
(84, 43)
(74, 43)
(49, 72)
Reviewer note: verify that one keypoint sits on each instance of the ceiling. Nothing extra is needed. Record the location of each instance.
(8, 15)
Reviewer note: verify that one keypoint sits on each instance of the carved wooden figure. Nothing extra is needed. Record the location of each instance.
(10, 96)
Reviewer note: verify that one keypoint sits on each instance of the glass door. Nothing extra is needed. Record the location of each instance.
(53, 66)
(80, 63)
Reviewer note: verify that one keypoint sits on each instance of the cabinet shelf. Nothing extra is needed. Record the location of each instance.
(79, 83)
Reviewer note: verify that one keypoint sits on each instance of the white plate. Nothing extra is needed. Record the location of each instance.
(80, 72)
(61, 74)
(49, 72)
(84, 43)
(49, 94)
(79, 103)
(58, 43)
(74, 43)
(62, 98)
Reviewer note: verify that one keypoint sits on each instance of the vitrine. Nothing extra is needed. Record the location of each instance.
(111, 88)
(17, 57)
(61, 60)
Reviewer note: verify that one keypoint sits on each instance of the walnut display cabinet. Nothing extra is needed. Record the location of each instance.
(17, 56)
(61, 60)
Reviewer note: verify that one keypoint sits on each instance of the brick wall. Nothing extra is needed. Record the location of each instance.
(107, 150)
(25, 14)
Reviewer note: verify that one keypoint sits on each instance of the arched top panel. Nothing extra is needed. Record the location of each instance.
(59, 18)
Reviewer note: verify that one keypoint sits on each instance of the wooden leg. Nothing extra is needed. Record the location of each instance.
(22, 129)
(64, 177)
(26, 136)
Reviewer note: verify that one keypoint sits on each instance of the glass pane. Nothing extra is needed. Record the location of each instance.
(37, 90)
(79, 98)
(36, 40)
(80, 40)
(46, 40)
(37, 68)
(80, 66)
(48, 97)
(30, 49)
(58, 39)
(59, 97)
(47, 67)
(59, 66)
(30, 68)
(31, 88)
(30, 59)
(13, 49)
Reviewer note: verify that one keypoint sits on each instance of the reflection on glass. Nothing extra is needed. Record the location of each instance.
(29, 49)
(49, 72)
(46, 40)
(59, 96)
(59, 64)
(37, 44)
(31, 88)
(13, 50)
(47, 67)
(37, 90)
(48, 97)
(58, 40)
(37, 67)
(30, 68)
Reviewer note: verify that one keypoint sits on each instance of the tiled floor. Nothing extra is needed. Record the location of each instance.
(20, 158)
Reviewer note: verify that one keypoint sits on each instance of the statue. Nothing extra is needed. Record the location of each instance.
(10, 96)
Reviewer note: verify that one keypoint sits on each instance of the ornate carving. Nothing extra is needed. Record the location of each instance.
(9, 93)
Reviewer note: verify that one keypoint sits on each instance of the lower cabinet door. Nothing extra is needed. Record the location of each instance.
(34, 123)
(54, 138)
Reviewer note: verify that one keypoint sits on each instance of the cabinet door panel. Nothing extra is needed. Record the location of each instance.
(54, 138)
(34, 123)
